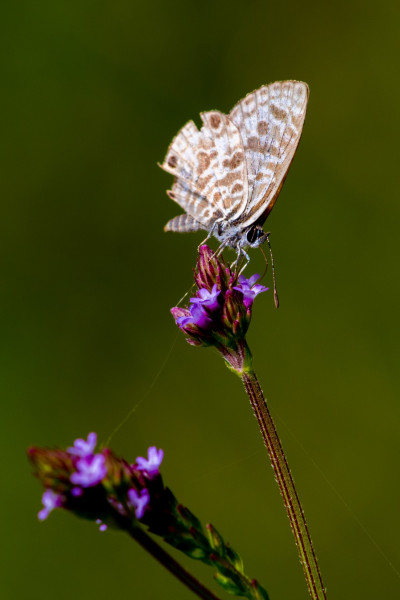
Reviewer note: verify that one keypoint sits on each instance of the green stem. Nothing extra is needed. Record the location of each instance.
(170, 563)
(286, 485)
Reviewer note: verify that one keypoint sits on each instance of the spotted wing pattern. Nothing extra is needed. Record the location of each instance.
(270, 121)
(210, 173)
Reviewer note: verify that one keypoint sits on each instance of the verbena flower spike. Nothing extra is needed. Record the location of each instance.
(220, 313)
(220, 316)
(109, 491)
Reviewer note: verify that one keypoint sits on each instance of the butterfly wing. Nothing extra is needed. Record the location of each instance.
(210, 171)
(270, 121)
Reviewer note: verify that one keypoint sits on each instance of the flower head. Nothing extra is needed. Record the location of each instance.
(129, 493)
(101, 487)
(220, 313)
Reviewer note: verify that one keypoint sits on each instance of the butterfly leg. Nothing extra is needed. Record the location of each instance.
(221, 248)
(205, 239)
(218, 252)
(210, 233)
(247, 260)
(237, 261)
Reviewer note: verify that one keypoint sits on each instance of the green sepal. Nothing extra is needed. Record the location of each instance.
(233, 576)
(188, 547)
(189, 517)
(216, 540)
(234, 558)
(228, 585)
(258, 592)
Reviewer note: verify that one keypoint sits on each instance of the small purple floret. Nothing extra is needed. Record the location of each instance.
(207, 299)
(198, 316)
(90, 471)
(82, 447)
(152, 463)
(50, 500)
(248, 289)
(139, 501)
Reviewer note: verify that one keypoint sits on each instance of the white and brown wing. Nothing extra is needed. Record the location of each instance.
(270, 121)
(210, 173)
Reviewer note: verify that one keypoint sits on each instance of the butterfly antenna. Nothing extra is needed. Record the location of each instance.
(266, 263)
(276, 299)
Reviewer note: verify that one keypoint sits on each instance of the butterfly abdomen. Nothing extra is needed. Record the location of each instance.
(183, 224)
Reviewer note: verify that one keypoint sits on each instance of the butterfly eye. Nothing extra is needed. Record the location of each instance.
(254, 234)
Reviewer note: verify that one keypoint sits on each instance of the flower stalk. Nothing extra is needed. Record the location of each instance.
(166, 560)
(286, 486)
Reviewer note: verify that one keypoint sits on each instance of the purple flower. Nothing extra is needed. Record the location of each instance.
(248, 289)
(50, 500)
(219, 315)
(207, 299)
(90, 471)
(150, 464)
(139, 501)
(84, 448)
(197, 316)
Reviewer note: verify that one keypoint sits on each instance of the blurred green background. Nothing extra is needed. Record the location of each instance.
(92, 94)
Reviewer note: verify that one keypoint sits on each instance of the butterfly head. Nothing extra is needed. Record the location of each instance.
(254, 236)
(237, 237)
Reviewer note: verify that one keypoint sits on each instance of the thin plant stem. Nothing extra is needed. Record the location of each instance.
(140, 536)
(286, 486)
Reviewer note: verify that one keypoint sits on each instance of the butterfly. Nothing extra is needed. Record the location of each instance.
(229, 173)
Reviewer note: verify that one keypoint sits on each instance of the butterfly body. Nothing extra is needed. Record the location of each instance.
(234, 236)
(229, 173)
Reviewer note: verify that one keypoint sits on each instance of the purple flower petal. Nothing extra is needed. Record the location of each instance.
(248, 289)
(207, 299)
(250, 281)
(139, 501)
(198, 316)
(82, 447)
(178, 312)
(151, 464)
(258, 288)
(50, 500)
(90, 471)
